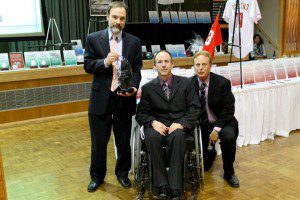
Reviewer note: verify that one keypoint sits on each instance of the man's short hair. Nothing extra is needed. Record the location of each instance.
(117, 4)
(203, 53)
(154, 58)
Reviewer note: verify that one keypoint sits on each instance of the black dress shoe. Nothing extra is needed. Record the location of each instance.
(125, 181)
(163, 192)
(92, 187)
(176, 194)
(233, 181)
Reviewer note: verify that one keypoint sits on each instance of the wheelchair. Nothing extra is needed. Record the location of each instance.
(193, 175)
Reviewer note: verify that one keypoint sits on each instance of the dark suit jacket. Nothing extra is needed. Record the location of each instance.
(182, 106)
(220, 100)
(96, 50)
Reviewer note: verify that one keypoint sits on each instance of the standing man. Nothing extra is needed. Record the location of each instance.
(108, 107)
(217, 119)
(168, 110)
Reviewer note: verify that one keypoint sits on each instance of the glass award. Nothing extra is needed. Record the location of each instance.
(125, 77)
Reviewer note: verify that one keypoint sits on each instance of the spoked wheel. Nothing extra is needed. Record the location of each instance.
(198, 159)
(201, 157)
(137, 155)
(138, 169)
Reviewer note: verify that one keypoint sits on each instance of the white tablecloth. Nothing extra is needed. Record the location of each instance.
(267, 109)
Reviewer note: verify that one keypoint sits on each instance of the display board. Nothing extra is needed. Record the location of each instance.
(98, 8)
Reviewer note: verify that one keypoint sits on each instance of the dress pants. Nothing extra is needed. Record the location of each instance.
(100, 128)
(227, 136)
(173, 157)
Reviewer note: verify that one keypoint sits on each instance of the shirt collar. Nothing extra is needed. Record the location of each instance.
(206, 81)
(169, 81)
(119, 35)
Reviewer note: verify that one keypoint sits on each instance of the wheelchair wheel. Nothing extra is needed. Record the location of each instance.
(137, 145)
(199, 156)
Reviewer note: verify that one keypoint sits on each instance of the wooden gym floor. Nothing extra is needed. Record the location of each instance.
(50, 160)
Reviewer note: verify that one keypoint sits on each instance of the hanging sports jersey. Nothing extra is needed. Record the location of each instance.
(166, 2)
(249, 14)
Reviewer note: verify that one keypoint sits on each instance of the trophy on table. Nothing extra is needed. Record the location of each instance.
(125, 77)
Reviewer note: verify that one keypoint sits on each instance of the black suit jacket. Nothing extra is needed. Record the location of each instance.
(220, 100)
(96, 50)
(182, 107)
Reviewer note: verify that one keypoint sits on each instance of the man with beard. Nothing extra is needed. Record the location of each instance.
(108, 107)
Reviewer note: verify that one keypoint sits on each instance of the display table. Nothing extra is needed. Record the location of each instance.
(2, 180)
(37, 93)
(266, 110)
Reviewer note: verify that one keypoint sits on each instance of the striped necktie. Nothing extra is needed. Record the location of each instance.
(166, 89)
(203, 112)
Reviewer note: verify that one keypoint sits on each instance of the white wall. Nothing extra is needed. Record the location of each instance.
(270, 10)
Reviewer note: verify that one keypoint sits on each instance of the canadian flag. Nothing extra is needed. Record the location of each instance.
(214, 38)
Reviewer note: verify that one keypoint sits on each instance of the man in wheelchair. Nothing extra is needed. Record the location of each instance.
(168, 109)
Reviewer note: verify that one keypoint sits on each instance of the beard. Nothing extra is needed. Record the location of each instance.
(116, 29)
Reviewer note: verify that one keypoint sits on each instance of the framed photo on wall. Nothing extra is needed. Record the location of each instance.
(98, 8)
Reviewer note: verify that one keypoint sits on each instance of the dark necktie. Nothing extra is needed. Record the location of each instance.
(203, 112)
(166, 89)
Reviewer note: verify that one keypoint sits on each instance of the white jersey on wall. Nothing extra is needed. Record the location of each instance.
(249, 14)
(166, 2)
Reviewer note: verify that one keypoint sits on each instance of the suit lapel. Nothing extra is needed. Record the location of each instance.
(125, 45)
(157, 88)
(104, 42)
(174, 87)
(212, 87)
(196, 82)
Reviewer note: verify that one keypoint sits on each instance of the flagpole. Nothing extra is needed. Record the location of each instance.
(237, 13)
(240, 46)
